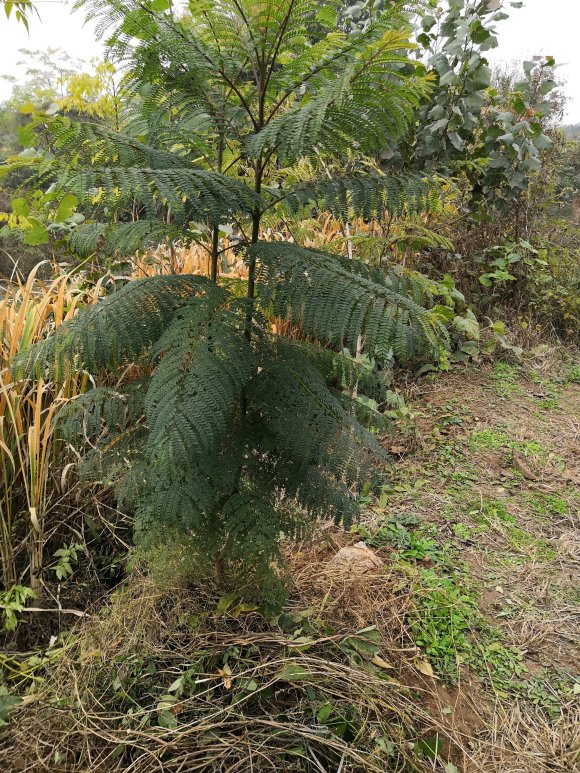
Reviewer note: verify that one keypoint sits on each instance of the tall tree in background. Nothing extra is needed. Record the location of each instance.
(465, 126)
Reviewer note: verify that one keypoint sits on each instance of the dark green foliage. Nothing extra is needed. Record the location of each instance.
(105, 411)
(340, 371)
(212, 195)
(120, 238)
(362, 195)
(224, 98)
(115, 332)
(108, 424)
(338, 300)
(232, 440)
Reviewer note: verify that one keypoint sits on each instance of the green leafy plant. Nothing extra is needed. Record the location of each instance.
(467, 124)
(13, 601)
(8, 704)
(67, 556)
(398, 533)
(505, 259)
(444, 616)
(234, 435)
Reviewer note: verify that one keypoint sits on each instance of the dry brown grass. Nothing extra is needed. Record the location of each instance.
(29, 470)
(187, 259)
(221, 726)
(78, 720)
(523, 740)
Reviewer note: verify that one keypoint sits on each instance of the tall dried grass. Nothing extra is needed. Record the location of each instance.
(28, 444)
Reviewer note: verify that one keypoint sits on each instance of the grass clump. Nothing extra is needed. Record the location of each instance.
(488, 439)
(505, 378)
(498, 440)
(572, 375)
(446, 622)
(493, 515)
(544, 505)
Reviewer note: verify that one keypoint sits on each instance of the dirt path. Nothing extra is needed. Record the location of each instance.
(483, 513)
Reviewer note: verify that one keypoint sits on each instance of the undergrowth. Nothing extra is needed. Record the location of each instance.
(191, 681)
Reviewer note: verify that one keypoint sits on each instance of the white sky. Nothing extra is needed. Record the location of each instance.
(540, 27)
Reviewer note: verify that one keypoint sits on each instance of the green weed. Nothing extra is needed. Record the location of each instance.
(407, 543)
(544, 505)
(501, 665)
(505, 379)
(539, 549)
(530, 448)
(494, 511)
(444, 615)
(488, 439)
(572, 375)
(12, 602)
(549, 404)
(462, 531)
(447, 624)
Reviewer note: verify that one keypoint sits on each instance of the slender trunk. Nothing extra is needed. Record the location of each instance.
(215, 243)
(172, 262)
(261, 85)
(215, 235)
(219, 567)
(256, 217)
(348, 240)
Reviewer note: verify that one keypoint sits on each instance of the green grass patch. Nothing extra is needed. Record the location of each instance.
(445, 613)
(495, 440)
(446, 622)
(493, 514)
(544, 505)
(505, 379)
(498, 440)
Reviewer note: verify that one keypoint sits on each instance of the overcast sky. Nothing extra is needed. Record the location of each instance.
(540, 27)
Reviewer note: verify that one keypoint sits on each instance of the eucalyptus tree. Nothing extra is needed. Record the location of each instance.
(465, 126)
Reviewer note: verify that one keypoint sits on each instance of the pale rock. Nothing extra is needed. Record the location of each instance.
(356, 559)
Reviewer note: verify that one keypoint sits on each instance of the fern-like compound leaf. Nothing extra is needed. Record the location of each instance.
(117, 330)
(338, 301)
(361, 195)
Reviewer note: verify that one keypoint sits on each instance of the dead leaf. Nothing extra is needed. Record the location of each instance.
(424, 667)
(378, 661)
(226, 674)
(520, 464)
